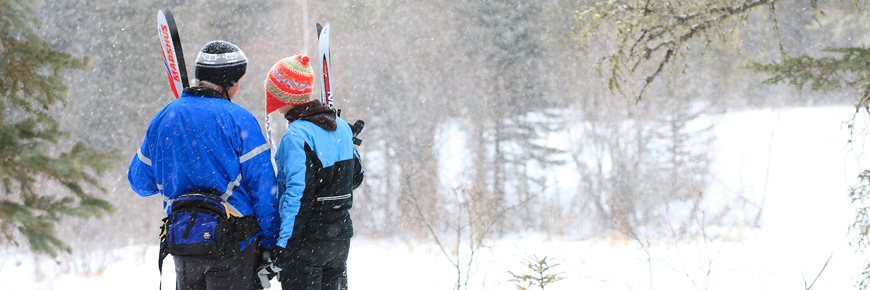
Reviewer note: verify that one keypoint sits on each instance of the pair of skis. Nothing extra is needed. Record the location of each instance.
(173, 57)
(173, 60)
(325, 88)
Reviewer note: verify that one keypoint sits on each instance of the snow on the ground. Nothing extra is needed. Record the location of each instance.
(796, 161)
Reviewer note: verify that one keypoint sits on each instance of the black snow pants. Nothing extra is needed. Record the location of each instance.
(231, 272)
(316, 265)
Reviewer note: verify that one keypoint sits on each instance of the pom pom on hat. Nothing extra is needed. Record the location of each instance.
(289, 82)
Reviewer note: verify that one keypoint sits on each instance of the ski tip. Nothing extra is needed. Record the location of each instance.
(319, 28)
(169, 16)
(166, 14)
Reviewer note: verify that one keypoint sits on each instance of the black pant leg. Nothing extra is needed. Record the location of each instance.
(231, 272)
(237, 272)
(189, 275)
(335, 268)
(301, 276)
(316, 265)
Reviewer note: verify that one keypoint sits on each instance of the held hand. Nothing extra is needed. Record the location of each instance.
(266, 272)
(266, 256)
(267, 269)
(281, 256)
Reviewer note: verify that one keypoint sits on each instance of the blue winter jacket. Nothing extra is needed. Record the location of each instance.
(318, 169)
(201, 141)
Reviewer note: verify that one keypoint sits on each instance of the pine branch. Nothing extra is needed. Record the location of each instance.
(819, 74)
(30, 158)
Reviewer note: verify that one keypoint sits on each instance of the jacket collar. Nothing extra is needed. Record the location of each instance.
(314, 112)
(205, 92)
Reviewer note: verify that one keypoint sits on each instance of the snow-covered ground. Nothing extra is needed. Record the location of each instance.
(797, 160)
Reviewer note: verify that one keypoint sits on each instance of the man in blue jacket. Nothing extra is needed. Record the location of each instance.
(202, 142)
(318, 169)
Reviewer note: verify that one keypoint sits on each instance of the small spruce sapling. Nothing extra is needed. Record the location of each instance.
(542, 274)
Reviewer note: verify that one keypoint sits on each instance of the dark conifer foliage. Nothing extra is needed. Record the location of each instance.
(34, 154)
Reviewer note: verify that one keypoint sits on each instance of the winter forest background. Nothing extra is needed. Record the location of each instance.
(485, 119)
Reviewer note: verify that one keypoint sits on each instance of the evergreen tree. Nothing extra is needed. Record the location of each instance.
(31, 92)
(507, 36)
(541, 274)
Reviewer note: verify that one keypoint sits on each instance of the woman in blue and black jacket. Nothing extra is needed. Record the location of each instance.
(318, 169)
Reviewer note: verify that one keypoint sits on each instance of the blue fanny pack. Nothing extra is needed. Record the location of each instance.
(201, 225)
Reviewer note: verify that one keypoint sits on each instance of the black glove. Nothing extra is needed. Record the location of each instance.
(356, 128)
(267, 269)
(281, 256)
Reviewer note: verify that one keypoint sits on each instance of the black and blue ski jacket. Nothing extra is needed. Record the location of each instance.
(318, 169)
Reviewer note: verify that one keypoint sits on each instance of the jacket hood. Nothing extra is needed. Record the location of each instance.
(314, 112)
